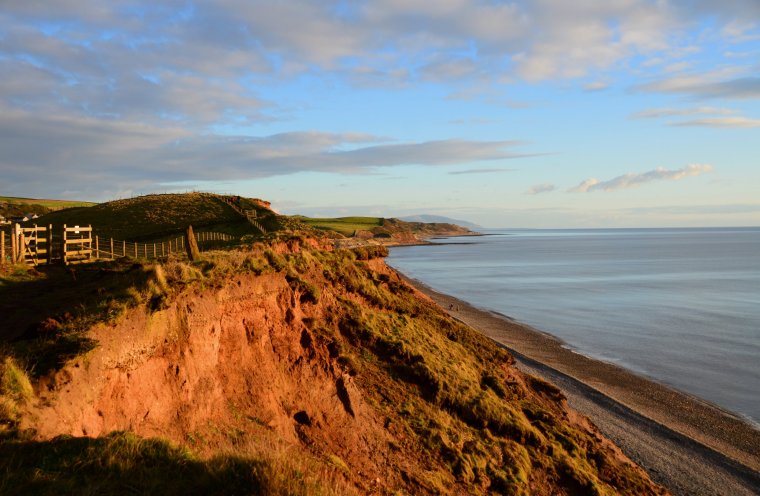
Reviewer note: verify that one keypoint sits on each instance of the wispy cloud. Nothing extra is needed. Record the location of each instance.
(728, 122)
(727, 117)
(595, 86)
(473, 121)
(541, 188)
(740, 31)
(633, 180)
(674, 112)
(480, 171)
(718, 84)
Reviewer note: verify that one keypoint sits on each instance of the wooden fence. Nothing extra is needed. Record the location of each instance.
(78, 244)
(27, 244)
(249, 213)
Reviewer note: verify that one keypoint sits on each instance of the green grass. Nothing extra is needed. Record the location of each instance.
(347, 226)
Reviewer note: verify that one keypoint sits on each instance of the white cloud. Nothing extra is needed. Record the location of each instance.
(585, 186)
(480, 171)
(729, 83)
(596, 86)
(731, 122)
(726, 117)
(671, 112)
(541, 188)
(633, 180)
(740, 31)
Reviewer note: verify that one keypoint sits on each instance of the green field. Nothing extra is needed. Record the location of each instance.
(51, 204)
(347, 226)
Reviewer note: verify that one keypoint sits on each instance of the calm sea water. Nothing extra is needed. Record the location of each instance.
(679, 305)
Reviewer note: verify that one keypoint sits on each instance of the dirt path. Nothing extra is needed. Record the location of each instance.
(690, 446)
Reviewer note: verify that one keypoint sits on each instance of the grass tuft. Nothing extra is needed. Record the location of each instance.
(14, 382)
(15, 390)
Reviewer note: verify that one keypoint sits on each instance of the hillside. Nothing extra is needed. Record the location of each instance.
(440, 219)
(281, 368)
(153, 216)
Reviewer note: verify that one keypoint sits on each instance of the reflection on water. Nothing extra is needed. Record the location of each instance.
(680, 305)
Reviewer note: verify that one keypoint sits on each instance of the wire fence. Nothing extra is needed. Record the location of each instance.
(109, 248)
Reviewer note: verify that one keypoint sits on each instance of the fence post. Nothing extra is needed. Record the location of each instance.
(135, 250)
(123, 248)
(2, 247)
(192, 247)
(97, 246)
(13, 244)
(21, 245)
(50, 244)
(63, 248)
(112, 257)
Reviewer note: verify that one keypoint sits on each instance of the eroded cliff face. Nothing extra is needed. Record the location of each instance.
(216, 365)
(332, 353)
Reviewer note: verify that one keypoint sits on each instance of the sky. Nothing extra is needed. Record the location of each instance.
(538, 114)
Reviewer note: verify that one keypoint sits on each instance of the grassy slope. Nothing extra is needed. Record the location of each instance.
(450, 394)
(155, 216)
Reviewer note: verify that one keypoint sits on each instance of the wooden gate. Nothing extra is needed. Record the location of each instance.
(77, 244)
(30, 245)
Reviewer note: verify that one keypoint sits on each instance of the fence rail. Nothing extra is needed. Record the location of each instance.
(79, 244)
(249, 213)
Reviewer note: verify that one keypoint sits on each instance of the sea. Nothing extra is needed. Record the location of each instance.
(681, 306)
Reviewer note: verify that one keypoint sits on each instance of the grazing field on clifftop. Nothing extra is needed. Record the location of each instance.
(347, 226)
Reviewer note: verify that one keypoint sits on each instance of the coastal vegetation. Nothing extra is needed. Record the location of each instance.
(283, 366)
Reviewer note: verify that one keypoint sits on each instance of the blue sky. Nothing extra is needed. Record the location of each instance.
(546, 113)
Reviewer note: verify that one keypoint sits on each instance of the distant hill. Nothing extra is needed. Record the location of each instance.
(11, 206)
(440, 219)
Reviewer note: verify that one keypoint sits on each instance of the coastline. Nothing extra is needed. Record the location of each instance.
(687, 444)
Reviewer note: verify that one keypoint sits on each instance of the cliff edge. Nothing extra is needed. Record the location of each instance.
(284, 368)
